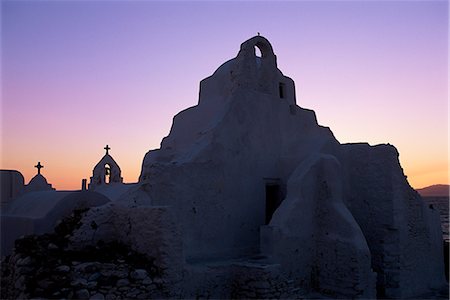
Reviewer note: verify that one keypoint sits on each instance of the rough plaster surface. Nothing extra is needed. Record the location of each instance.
(315, 237)
(213, 167)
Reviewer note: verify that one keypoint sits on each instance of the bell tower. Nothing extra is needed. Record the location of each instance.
(105, 172)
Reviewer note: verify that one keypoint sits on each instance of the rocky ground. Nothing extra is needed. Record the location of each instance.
(45, 267)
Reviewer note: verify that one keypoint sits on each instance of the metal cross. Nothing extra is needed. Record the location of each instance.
(107, 149)
(39, 167)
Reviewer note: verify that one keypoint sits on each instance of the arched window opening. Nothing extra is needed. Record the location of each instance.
(107, 173)
(258, 52)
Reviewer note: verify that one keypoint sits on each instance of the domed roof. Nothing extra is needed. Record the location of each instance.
(38, 183)
(38, 180)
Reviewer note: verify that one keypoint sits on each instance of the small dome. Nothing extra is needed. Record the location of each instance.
(38, 180)
(38, 183)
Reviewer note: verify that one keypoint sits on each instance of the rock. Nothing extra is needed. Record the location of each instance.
(79, 282)
(122, 282)
(56, 294)
(139, 274)
(24, 270)
(24, 261)
(105, 288)
(108, 266)
(97, 296)
(143, 296)
(110, 297)
(151, 287)
(91, 284)
(94, 276)
(44, 284)
(63, 269)
(87, 267)
(20, 282)
(83, 294)
(158, 280)
(260, 285)
(133, 293)
(147, 281)
(114, 273)
(52, 246)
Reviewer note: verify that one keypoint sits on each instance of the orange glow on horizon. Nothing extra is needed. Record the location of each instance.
(67, 176)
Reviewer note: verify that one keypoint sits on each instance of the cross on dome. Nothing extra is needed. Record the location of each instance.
(107, 148)
(39, 167)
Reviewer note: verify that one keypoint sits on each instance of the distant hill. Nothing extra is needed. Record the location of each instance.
(437, 190)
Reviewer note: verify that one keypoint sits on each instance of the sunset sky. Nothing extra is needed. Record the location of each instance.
(77, 75)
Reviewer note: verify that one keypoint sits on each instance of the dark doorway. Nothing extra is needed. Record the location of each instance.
(281, 90)
(273, 199)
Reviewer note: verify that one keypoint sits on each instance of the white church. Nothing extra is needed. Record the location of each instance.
(249, 197)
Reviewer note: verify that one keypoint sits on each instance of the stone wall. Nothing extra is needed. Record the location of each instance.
(60, 276)
(112, 252)
(149, 230)
(400, 229)
(260, 281)
(85, 259)
(238, 279)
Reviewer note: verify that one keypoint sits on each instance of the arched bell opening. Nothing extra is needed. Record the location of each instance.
(262, 49)
(107, 173)
(258, 52)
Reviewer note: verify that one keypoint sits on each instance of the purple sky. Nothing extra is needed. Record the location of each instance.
(77, 75)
